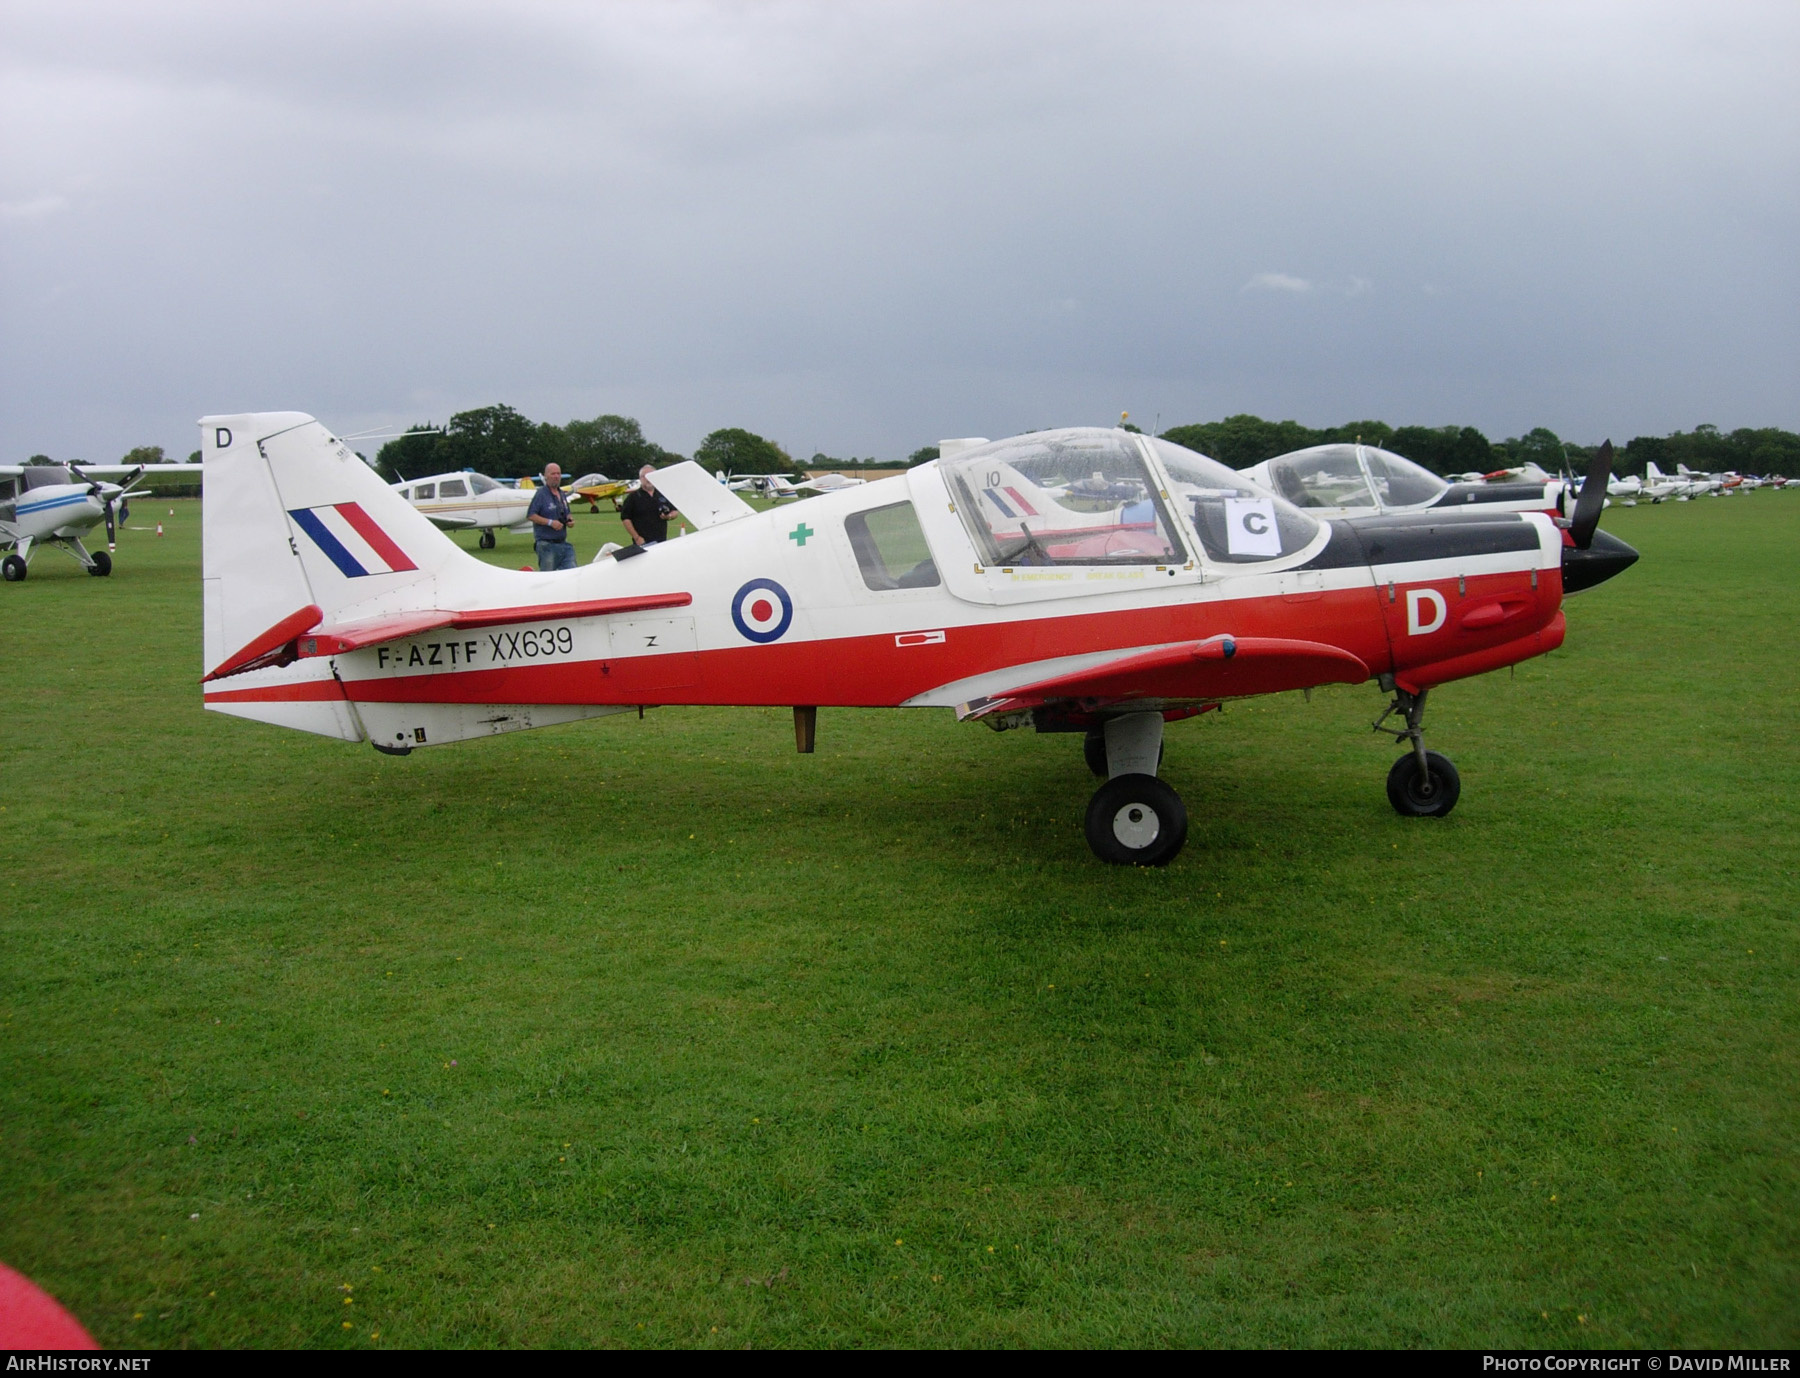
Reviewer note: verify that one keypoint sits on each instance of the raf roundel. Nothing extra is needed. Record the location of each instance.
(762, 610)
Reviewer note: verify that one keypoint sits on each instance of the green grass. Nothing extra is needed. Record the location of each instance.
(657, 1033)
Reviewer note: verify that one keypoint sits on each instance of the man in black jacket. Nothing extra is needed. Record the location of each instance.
(646, 512)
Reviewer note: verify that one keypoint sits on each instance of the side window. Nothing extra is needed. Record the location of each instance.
(1238, 523)
(1324, 476)
(453, 488)
(890, 548)
(425, 490)
(1400, 482)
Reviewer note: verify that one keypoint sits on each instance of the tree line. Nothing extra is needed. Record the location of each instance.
(1240, 441)
(503, 442)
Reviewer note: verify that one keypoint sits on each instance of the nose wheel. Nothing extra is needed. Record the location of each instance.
(1422, 784)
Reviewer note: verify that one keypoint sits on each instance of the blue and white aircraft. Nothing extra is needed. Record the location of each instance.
(55, 504)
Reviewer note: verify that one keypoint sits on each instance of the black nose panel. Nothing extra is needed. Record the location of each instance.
(1607, 556)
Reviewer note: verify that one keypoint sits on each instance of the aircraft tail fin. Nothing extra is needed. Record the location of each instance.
(1651, 471)
(297, 530)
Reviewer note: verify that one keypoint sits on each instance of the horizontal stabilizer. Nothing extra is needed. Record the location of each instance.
(1221, 667)
(301, 635)
(698, 496)
(375, 631)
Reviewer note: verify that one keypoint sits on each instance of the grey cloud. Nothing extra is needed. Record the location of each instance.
(859, 227)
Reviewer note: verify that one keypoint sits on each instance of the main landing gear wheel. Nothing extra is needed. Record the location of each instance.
(486, 542)
(1136, 820)
(102, 565)
(1430, 793)
(13, 569)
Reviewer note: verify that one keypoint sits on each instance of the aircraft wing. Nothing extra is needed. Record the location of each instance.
(698, 496)
(1221, 667)
(449, 523)
(599, 492)
(108, 470)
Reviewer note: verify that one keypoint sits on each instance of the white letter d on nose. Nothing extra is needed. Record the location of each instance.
(1415, 600)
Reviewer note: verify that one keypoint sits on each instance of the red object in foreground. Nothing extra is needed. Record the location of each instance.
(31, 1319)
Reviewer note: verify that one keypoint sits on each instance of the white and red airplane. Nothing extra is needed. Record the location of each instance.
(1000, 581)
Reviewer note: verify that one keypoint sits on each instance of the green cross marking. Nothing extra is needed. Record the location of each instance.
(799, 534)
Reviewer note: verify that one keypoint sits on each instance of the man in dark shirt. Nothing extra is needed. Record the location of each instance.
(646, 512)
(549, 513)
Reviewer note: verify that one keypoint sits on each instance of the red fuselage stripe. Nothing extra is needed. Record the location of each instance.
(875, 671)
(379, 541)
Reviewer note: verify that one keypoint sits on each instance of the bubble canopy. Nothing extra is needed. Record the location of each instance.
(1090, 496)
(1349, 478)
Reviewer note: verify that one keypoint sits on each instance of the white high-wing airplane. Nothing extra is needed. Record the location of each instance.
(1345, 480)
(54, 504)
(772, 486)
(831, 483)
(1719, 484)
(1659, 486)
(468, 501)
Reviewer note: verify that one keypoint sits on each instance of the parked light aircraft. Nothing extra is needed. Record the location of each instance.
(1659, 487)
(468, 501)
(598, 488)
(830, 483)
(332, 606)
(771, 486)
(54, 504)
(1364, 481)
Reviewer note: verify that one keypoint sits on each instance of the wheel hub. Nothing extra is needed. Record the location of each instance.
(1136, 826)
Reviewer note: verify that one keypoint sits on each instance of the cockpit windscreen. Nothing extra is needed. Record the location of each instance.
(1067, 497)
(1238, 522)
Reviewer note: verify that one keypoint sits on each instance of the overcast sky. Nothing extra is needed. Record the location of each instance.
(860, 227)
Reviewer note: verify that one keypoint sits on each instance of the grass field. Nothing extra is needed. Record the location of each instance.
(655, 1033)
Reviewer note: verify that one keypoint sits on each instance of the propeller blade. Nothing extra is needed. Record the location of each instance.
(1593, 497)
(93, 485)
(112, 534)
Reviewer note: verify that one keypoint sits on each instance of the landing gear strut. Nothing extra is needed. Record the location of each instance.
(1422, 784)
(1134, 819)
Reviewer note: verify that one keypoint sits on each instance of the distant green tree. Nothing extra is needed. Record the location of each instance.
(40, 459)
(495, 440)
(1644, 450)
(145, 454)
(1368, 432)
(612, 445)
(738, 451)
(1443, 449)
(1766, 450)
(922, 455)
(1242, 440)
(194, 458)
(412, 455)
